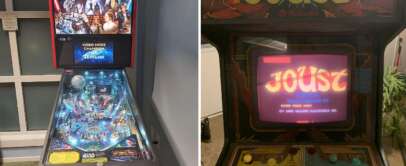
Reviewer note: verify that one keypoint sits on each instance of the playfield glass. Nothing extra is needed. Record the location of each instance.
(96, 120)
(302, 89)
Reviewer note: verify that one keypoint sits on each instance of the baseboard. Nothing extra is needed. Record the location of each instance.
(212, 115)
(20, 159)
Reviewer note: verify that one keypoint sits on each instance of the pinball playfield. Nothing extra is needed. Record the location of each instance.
(95, 120)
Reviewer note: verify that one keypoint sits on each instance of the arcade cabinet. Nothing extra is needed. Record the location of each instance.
(302, 79)
(95, 119)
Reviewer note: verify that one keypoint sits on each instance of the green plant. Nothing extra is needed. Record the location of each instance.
(394, 109)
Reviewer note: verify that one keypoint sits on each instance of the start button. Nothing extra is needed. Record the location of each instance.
(65, 157)
(247, 158)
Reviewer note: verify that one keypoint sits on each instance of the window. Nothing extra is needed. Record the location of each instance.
(37, 5)
(34, 47)
(2, 5)
(28, 82)
(9, 114)
(39, 100)
(5, 58)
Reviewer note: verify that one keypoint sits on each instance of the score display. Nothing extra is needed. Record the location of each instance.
(302, 89)
(94, 53)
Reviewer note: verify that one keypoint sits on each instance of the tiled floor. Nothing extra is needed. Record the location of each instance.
(210, 151)
(392, 155)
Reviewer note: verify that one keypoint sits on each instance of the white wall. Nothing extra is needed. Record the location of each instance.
(391, 50)
(402, 66)
(176, 76)
(211, 102)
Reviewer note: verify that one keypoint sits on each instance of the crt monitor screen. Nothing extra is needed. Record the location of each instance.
(302, 89)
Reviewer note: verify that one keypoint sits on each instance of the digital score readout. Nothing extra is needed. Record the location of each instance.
(94, 53)
(302, 89)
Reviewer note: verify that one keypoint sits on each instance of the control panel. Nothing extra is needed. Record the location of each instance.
(303, 155)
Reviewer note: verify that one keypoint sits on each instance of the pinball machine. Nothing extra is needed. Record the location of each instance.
(302, 79)
(95, 120)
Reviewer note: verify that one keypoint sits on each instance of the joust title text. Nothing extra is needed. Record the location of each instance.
(308, 79)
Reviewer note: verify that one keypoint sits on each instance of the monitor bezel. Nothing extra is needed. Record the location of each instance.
(301, 49)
